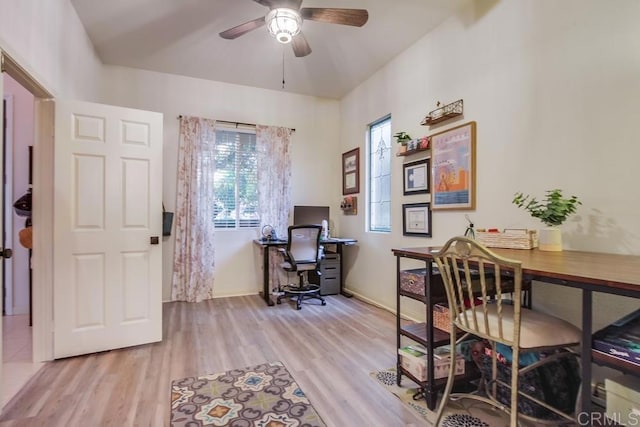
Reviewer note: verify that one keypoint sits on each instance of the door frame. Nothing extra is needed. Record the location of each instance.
(42, 219)
(42, 210)
(7, 270)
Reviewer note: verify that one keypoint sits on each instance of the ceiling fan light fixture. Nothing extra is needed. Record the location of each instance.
(284, 24)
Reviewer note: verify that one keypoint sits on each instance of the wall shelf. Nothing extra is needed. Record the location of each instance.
(410, 152)
(443, 113)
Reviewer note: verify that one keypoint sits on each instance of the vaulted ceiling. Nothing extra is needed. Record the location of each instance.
(181, 37)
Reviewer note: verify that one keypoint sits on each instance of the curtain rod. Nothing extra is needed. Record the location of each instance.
(236, 123)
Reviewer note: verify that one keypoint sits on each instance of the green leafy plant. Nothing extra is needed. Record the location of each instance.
(402, 138)
(552, 211)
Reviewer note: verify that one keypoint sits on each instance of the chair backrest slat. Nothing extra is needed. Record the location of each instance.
(468, 282)
(484, 296)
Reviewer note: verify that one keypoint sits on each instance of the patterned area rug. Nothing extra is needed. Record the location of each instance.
(262, 396)
(461, 413)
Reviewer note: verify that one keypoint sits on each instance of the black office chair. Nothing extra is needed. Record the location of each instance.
(303, 254)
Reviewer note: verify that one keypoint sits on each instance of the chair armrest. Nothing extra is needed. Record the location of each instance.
(288, 257)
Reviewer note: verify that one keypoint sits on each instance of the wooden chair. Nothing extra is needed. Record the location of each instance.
(498, 320)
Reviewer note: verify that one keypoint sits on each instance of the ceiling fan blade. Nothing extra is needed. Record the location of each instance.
(291, 4)
(272, 4)
(300, 45)
(355, 17)
(268, 3)
(241, 29)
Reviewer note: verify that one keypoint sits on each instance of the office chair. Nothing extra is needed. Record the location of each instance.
(303, 254)
(502, 322)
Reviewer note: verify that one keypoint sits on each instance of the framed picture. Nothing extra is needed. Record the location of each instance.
(416, 177)
(453, 168)
(351, 171)
(416, 219)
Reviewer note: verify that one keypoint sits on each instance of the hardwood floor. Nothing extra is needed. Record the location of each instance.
(329, 350)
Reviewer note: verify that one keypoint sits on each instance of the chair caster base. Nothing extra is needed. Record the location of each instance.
(298, 294)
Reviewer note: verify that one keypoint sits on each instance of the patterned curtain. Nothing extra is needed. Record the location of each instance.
(274, 186)
(193, 265)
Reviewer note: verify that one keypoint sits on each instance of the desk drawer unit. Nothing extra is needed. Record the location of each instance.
(329, 280)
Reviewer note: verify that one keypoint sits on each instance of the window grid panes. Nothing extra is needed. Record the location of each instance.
(236, 180)
(380, 175)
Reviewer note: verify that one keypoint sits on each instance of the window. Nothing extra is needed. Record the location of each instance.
(236, 180)
(380, 175)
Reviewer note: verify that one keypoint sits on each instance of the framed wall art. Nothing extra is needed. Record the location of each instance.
(415, 177)
(416, 219)
(453, 168)
(351, 172)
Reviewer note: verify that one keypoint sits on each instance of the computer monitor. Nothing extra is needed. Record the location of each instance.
(310, 214)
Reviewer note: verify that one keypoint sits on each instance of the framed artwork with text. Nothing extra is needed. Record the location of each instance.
(453, 168)
(351, 172)
(416, 219)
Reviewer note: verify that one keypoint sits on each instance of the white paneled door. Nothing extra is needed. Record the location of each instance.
(107, 228)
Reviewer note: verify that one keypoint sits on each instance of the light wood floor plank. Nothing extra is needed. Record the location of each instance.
(329, 350)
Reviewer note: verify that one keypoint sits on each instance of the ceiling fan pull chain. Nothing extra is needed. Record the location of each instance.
(283, 67)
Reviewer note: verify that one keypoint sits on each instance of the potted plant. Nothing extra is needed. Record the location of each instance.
(553, 211)
(402, 138)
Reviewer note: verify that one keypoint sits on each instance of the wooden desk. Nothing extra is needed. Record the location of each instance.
(268, 244)
(588, 271)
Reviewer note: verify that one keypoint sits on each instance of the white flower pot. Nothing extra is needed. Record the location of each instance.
(550, 239)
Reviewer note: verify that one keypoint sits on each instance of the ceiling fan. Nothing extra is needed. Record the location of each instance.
(285, 19)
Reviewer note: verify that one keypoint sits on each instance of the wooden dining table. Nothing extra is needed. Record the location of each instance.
(590, 272)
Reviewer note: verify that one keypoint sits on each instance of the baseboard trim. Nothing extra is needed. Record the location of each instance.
(379, 305)
(357, 295)
(241, 294)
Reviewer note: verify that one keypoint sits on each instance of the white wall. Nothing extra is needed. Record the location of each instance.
(48, 40)
(554, 89)
(316, 166)
(23, 113)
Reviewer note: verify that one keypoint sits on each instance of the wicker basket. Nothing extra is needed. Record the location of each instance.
(441, 317)
(509, 239)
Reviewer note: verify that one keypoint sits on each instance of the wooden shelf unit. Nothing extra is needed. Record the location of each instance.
(425, 335)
